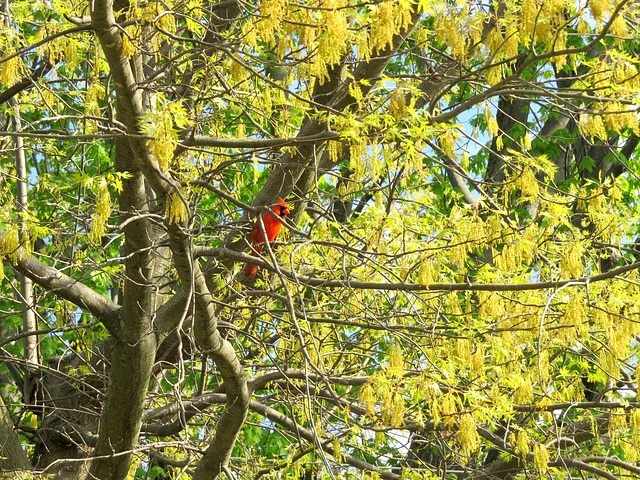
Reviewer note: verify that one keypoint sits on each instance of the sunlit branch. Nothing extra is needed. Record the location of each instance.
(286, 422)
(414, 287)
(202, 141)
(68, 288)
(47, 39)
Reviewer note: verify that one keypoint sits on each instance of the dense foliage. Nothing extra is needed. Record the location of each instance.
(454, 295)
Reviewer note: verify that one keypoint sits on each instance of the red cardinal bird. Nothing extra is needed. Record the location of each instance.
(272, 227)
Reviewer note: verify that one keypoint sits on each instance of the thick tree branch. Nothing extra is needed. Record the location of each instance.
(582, 466)
(68, 288)
(12, 456)
(288, 173)
(611, 460)
(134, 353)
(25, 83)
(291, 425)
(205, 326)
(286, 422)
(574, 433)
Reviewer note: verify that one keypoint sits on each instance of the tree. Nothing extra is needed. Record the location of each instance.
(454, 294)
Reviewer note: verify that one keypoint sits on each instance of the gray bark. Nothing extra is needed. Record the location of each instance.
(12, 456)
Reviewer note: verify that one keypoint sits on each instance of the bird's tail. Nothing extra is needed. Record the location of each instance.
(250, 270)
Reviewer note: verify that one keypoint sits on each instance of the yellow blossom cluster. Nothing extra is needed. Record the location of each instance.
(152, 14)
(72, 53)
(95, 93)
(625, 73)
(175, 210)
(633, 452)
(601, 8)
(592, 126)
(576, 314)
(447, 409)
(426, 271)
(517, 252)
(528, 14)
(162, 126)
(337, 450)
(271, 12)
(382, 390)
(11, 71)
(382, 26)
(617, 425)
(333, 44)
(130, 40)
(396, 361)
(491, 307)
(468, 433)
(469, 232)
(392, 407)
(527, 182)
(541, 457)
(571, 264)
(101, 215)
(524, 392)
(368, 398)
(559, 44)
(10, 245)
(617, 117)
(523, 443)
(447, 28)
